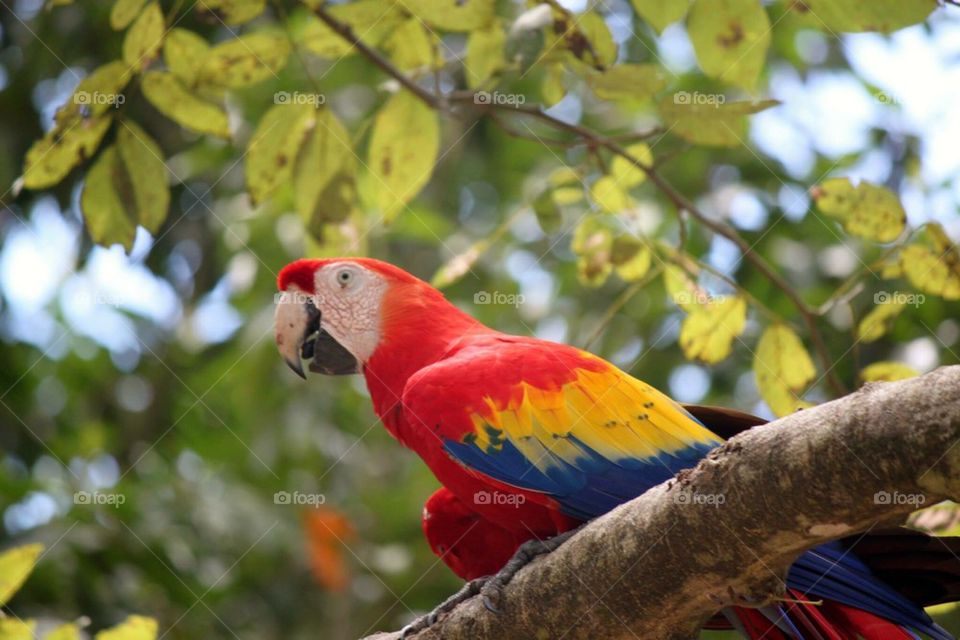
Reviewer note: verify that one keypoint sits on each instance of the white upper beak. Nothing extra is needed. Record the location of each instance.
(290, 326)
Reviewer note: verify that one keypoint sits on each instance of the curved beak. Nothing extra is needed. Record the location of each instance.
(294, 321)
(300, 336)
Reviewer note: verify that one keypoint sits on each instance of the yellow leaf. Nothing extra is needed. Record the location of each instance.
(147, 175)
(15, 565)
(403, 149)
(124, 12)
(453, 15)
(324, 178)
(782, 368)
(13, 629)
(625, 172)
(707, 333)
(51, 158)
(707, 119)
(133, 628)
(627, 81)
(730, 38)
(246, 60)
(168, 95)
(608, 195)
(371, 20)
(143, 40)
(484, 54)
(184, 52)
(567, 195)
(564, 176)
(887, 372)
(102, 202)
(552, 88)
(682, 289)
(630, 257)
(866, 210)
(880, 319)
(64, 632)
(593, 243)
(862, 15)
(233, 12)
(660, 13)
(274, 146)
(411, 46)
(933, 266)
(603, 50)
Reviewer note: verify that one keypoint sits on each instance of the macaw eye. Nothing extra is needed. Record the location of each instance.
(344, 277)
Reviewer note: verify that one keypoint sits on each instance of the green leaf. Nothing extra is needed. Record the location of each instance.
(682, 289)
(453, 15)
(274, 146)
(552, 88)
(548, 212)
(104, 202)
(933, 264)
(14, 629)
(878, 322)
(124, 12)
(51, 158)
(602, 51)
(173, 100)
(325, 175)
(142, 42)
(593, 243)
(80, 125)
(233, 12)
(608, 195)
(625, 172)
(782, 368)
(246, 60)
(867, 210)
(184, 52)
(660, 13)
(412, 46)
(630, 257)
(887, 372)
(133, 628)
(627, 81)
(403, 150)
(15, 565)
(147, 173)
(707, 333)
(863, 15)
(708, 119)
(484, 54)
(730, 38)
(371, 20)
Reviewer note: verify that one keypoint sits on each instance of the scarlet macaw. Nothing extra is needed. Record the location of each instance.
(559, 436)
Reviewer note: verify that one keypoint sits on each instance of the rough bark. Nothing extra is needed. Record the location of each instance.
(725, 532)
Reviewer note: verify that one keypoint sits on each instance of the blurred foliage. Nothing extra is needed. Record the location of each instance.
(154, 442)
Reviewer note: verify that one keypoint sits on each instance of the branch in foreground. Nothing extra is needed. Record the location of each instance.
(661, 565)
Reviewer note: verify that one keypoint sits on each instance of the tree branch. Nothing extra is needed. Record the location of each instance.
(725, 532)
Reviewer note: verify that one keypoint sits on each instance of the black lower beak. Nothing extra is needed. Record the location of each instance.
(326, 355)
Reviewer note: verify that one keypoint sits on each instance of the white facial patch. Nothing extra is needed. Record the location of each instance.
(349, 298)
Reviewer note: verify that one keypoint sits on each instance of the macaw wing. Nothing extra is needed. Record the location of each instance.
(556, 420)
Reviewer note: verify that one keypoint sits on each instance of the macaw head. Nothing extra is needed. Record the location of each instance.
(331, 312)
